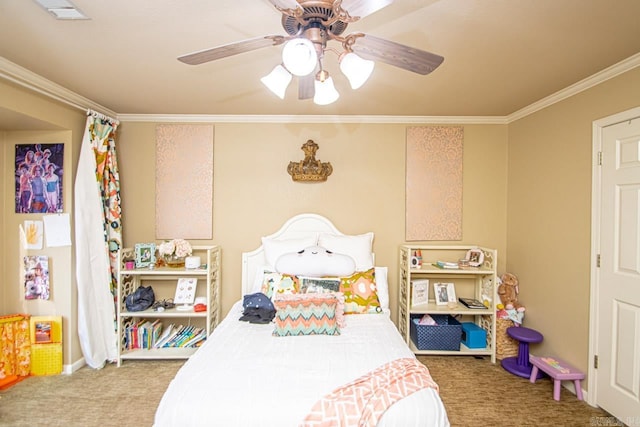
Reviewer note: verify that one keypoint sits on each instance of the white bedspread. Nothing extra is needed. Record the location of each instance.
(243, 376)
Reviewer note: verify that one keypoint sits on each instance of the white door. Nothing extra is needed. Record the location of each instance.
(618, 296)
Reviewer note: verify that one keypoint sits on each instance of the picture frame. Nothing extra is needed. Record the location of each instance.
(444, 293)
(475, 257)
(419, 292)
(145, 254)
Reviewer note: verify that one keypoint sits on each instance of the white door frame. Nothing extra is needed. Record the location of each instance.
(596, 188)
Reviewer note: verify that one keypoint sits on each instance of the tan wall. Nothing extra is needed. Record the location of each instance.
(254, 195)
(63, 299)
(4, 307)
(545, 158)
(549, 213)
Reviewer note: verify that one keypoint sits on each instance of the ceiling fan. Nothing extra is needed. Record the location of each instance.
(309, 25)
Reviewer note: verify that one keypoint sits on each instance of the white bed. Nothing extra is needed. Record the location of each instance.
(243, 376)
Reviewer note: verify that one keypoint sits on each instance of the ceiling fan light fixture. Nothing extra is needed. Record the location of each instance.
(356, 69)
(299, 56)
(277, 80)
(326, 92)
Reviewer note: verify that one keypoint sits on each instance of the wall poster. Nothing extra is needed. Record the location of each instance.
(38, 174)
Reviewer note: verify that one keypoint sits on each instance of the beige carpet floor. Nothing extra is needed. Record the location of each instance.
(475, 393)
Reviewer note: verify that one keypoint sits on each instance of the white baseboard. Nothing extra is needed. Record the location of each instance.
(70, 369)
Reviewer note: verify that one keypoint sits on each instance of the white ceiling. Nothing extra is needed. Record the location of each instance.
(500, 55)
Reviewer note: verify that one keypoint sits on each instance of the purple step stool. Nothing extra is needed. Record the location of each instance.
(558, 370)
(520, 365)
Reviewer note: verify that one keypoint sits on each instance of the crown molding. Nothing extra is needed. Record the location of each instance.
(591, 81)
(28, 79)
(204, 118)
(32, 81)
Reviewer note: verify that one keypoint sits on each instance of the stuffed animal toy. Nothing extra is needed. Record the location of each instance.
(508, 292)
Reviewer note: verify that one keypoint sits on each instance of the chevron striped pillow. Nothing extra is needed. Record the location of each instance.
(307, 314)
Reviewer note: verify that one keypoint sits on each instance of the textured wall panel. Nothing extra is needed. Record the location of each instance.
(434, 183)
(184, 181)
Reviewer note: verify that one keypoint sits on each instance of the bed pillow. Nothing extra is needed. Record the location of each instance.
(259, 278)
(273, 248)
(307, 314)
(358, 247)
(274, 284)
(360, 293)
(316, 261)
(319, 285)
(382, 286)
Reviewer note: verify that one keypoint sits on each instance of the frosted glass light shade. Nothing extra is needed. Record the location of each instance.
(326, 92)
(299, 56)
(356, 69)
(277, 80)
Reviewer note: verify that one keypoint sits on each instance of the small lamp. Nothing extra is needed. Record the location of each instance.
(277, 80)
(299, 56)
(356, 69)
(326, 92)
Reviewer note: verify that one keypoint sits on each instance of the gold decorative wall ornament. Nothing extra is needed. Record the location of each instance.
(309, 169)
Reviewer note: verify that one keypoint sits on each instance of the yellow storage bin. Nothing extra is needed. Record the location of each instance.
(46, 345)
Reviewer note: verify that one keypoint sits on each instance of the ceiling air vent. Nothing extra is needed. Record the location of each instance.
(61, 9)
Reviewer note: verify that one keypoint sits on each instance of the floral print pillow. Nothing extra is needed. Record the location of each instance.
(360, 293)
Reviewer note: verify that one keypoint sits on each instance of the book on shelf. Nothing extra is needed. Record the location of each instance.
(446, 265)
(143, 334)
(472, 303)
(166, 335)
(175, 336)
(197, 336)
(147, 335)
(184, 336)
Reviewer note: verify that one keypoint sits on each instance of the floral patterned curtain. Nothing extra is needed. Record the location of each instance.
(98, 239)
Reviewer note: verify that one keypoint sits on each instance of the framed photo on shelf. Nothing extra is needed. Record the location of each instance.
(444, 293)
(475, 257)
(419, 292)
(145, 254)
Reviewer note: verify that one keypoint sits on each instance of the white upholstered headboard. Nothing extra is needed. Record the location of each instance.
(299, 226)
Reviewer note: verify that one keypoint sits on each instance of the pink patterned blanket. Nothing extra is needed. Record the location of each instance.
(363, 401)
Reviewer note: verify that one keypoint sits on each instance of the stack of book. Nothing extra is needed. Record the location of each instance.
(181, 336)
(143, 334)
(446, 264)
(147, 335)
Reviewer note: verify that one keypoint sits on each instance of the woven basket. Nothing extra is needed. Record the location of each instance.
(443, 336)
(505, 345)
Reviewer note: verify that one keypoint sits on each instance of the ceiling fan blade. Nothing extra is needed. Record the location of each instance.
(396, 54)
(284, 5)
(231, 49)
(362, 8)
(306, 85)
